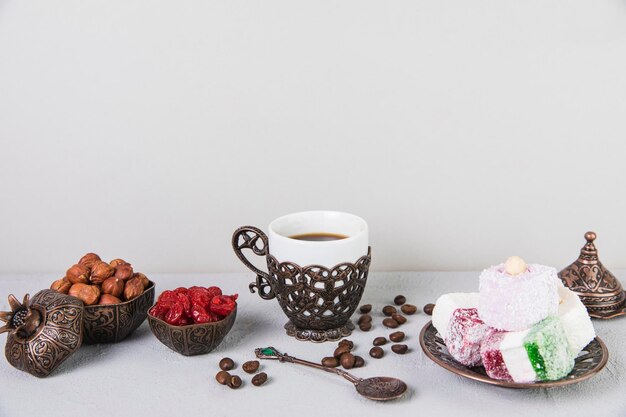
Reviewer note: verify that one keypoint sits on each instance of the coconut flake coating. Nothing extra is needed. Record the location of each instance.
(515, 303)
(465, 334)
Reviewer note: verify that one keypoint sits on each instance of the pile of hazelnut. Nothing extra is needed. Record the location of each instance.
(94, 281)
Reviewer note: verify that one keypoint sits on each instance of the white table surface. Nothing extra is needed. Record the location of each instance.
(142, 377)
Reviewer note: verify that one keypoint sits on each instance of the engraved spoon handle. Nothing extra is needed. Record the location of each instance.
(273, 354)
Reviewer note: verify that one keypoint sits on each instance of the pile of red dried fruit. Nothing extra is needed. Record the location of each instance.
(184, 306)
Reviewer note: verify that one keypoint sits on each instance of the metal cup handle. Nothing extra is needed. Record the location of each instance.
(250, 237)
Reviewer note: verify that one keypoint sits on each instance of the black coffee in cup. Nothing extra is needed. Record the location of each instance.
(318, 237)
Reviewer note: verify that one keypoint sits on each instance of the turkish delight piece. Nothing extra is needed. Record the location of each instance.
(575, 320)
(548, 350)
(491, 356)
(445, 307)
(516, 358)
(517, 302)
(465, 334)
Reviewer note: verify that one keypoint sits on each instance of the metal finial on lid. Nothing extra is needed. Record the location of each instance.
(596, 286)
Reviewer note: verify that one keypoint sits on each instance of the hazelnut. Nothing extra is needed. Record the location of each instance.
(133, 288)
(124, 272)
(113, 286)
(89, 260)
(144, 279)
(61, 285)
(78, 274)
(117, 262)
(106, 299)
(100, 271)
(88, 294)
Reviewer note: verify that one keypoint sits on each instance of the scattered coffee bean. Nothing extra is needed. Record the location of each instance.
(348, 343)
(259, 379)
(377, 352)
(366, 308)
(222, 377)
(399, 300)
(250, 367)
(235, 382)
(379, 341)
(399, 349)
(396, 337)
(341, 350)
(389, 310)
(366, 327)
(366, 318)
(399, 318)
(347, 360)
(428, 309)
(408, 309)
(359, 362)
(330, 362)
(227, 364)
(390, 323)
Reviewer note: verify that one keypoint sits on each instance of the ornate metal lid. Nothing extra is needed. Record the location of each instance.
(596, 286)
(42, 331)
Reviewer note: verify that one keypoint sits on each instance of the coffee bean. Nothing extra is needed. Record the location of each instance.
(366, 318)
(347, 342)
(227, 364)
(366, 327)
(399, 349)
(330, 362)
(377, 352)
(389, 310)
(222, 377)
(234, 382)
(428, 309)
(366, 308)
(399, 318)
(399, 300)
(359, 362)
(250, 367)
(347, 360)
(259, 379)
(390, 323)
(341, 349)
(408, 309)
(379, 341)
(396, 337)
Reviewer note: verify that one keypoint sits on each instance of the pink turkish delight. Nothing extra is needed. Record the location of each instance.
(465, 334)
(492, 356)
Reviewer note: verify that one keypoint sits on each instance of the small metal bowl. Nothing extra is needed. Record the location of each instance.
(193, 339)
(114, 322)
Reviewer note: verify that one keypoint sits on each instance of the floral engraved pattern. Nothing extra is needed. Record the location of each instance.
(58, 338)
(194, 339)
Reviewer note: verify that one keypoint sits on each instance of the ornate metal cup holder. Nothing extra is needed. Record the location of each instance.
(317, 300)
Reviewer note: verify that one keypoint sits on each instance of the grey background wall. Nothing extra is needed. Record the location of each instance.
(463, 131)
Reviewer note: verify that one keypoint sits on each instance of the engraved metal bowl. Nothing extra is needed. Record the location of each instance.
(192, 339)
(115, 322)
(588, 363)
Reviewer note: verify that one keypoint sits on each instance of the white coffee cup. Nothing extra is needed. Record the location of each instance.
(328, 253)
